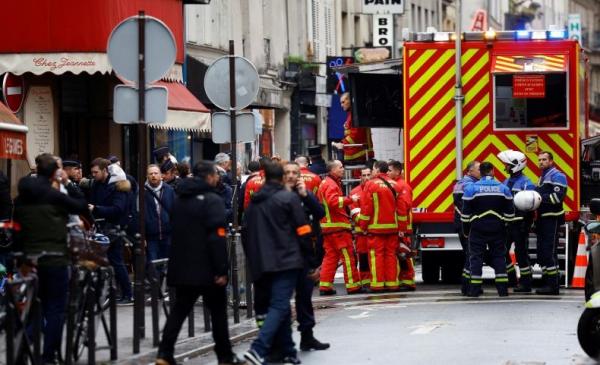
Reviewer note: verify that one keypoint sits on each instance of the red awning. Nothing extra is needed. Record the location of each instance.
(54, 26)
(180, 98)
(13, 142)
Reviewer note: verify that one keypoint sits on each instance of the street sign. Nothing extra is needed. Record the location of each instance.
(383, 6)
(160, 49)
(383, 30)
(127, 100)
(221, 127)
(13, 91)
(575, 27)
(216, 82)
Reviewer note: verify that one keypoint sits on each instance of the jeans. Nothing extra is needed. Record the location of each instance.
(115, 257)
(278, 323)
(53, 294)
(215, 299)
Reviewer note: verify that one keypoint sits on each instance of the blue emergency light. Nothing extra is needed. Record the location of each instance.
(523, 34)
(557, 34)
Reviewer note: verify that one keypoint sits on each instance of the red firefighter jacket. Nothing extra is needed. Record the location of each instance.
(405, 218)
(334, 202)
(355, 208)
(379, 208)
(356, 136)
(253, 186)
(311, 180)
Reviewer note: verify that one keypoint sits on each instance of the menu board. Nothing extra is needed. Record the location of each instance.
(39, 117)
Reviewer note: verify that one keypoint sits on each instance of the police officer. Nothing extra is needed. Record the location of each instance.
(550, 216)
(472, 175)
(518, 228)
(487, 206)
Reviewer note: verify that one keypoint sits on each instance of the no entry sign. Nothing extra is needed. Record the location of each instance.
(13, 91)
(529, 86)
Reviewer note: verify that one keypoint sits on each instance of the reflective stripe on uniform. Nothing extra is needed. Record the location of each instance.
(325, 284)
(350, 283)
(340, 202)
(374, 282)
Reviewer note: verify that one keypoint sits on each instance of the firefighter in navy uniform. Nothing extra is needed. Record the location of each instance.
(472, 175)
(487, 206)
(550, 216)
(518, 228)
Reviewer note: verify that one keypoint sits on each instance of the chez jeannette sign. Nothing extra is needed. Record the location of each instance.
(529, 86)
(383, 6)
(56, 63)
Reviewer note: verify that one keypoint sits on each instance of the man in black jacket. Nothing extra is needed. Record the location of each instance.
(43, 211)
(198, 261)
(275, 221)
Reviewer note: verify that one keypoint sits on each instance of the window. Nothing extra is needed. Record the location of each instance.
(544, 107)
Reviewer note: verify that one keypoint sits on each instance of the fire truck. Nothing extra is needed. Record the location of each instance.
(521, 90)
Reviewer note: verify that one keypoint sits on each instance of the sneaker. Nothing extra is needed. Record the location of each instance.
(253, 358)
(125, 302)
(291, 360)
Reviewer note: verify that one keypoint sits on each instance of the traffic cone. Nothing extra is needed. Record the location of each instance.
(581, 262)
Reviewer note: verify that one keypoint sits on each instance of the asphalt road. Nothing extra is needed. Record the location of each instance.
(435, 325)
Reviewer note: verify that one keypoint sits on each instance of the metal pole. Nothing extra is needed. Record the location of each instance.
(232, 116)
(139, 274)
(458, 96)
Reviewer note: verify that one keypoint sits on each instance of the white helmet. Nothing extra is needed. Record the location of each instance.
(515, 161)
(527, 200)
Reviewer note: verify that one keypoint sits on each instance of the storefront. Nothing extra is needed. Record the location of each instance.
(60, 51)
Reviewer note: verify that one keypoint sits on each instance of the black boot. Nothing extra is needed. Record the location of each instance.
(502, 289)
(474, 290)
(551, 287)
(524, 285)
(512, 277)
(309, 342)
(464, 287)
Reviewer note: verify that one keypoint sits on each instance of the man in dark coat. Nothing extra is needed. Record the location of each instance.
(159, 199)
(198, 262)
(110, 201)
(275, 221)
(43, 211)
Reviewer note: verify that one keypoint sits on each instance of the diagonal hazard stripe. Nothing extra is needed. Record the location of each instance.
(482, 62)
(420, 61)
(427, 183)
(476, 109)
(439, 84)
(437, 65)
(433, 133)
(558, 160)
(445, 205)
(435, 152)
(444, 185)
(473, 91)
(558, 139)
(411, 52)
(428, 117)
(476, 132)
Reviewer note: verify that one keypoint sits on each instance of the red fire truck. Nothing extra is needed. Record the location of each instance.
(522, 90)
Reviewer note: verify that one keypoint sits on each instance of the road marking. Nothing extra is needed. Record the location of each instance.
(362, 315)
(426, 328)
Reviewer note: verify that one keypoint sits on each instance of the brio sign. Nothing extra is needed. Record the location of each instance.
(383, 30)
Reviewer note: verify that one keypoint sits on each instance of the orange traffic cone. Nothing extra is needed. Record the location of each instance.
(581, 262)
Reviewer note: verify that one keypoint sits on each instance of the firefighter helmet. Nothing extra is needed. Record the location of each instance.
(527, 200)
(515, 161)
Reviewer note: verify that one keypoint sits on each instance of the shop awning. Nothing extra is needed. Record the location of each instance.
(13, 141)
(533, 63)
(185, 113)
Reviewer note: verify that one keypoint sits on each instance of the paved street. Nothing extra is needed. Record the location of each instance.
(436, 325)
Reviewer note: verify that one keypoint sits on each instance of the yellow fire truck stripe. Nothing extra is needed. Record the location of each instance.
(434, 89)
(428, 117)
(443, 186)
(426, 141)
(557, 138)
(475, 68)
(412, 52)
(445, 205)
(435, 151)
(420, 61)
(416, 86)
(470, 95)
(476, 109)
(476, 132)
(558, 160)
(449, 159)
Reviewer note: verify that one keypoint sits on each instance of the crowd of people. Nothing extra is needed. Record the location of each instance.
(297, 226)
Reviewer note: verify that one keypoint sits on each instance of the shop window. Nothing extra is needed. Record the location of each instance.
(531, 101)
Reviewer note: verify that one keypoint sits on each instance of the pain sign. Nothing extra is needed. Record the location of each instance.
(383, 30)
(529, 86)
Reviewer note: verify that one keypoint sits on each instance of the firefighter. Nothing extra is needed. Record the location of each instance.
(354, 155)
(311, 180)
(518, 228)
(407, 269)
(550, 216)
(360, 239)
(379, 207)
(337, 234)
(254, 184)
(472, 175)
(487, 206)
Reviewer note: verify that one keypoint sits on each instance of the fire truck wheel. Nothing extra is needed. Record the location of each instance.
(430, 268)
